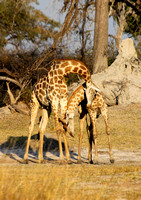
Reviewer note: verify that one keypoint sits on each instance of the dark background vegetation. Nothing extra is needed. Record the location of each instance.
(29, 40)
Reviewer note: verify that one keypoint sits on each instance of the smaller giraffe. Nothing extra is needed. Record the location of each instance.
(98, 106)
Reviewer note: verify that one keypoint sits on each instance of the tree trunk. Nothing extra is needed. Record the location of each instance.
(100, 36)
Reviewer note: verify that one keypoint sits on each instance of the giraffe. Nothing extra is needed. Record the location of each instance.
(78, 97)
(51, 92)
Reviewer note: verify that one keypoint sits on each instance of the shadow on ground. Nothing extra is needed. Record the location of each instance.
(17, 146)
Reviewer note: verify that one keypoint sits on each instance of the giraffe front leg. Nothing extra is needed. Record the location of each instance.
(34, 110)
(104, 113)
(63, 104)
(95, 142)
(110, 146)
(93, 121)
(92, 114)
(60, 146)
(89, 129)
(66, 146)
(55, 104)
(90, 138)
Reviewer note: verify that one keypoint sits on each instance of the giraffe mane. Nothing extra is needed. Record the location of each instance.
(72, 95)
(65, 59)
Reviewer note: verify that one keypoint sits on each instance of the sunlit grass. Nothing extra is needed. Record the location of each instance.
(69, 182)
(125, 128)
(124, 122)
(85, 181)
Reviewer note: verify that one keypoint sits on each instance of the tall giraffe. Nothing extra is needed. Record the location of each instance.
(78, 98)
(51, 90)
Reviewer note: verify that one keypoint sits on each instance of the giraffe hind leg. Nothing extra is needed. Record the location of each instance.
(42, 127)
(34, 111)
(81, 126)
(93, 114)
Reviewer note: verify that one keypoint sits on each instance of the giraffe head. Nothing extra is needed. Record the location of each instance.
(91, 92)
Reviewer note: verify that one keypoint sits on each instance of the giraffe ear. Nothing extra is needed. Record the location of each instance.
(95, 88)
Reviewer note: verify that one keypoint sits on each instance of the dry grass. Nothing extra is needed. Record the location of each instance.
(125, 128)
(69, 182)
(55, 182)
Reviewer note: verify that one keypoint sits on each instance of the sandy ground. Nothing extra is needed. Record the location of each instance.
(15, 155)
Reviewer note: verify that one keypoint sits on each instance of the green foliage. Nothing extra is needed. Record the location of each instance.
(111, 52)
(20, 22)
(134, 25)
(71, 78)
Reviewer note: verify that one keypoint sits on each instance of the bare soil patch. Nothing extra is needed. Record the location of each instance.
(124, 121)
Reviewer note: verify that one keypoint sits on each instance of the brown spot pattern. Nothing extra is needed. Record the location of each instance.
(83, 67)
(67, 69)
(75, 69)
(56, 66)
(55, 79)
(51, 81)
(60, 82)
(74, 62)
(64, 64)
(42, 92)
(44, 85)
(51, 74)
(60, 71)
(55, 72)
(80, 71)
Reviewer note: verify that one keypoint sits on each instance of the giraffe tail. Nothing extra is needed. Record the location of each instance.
(65, 127)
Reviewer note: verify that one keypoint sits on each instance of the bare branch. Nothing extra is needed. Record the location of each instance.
(69, 19)
(18, 109)
(5, 70)
(12, 99)
(3, 78)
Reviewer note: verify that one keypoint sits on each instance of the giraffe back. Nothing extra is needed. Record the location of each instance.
(61, 68)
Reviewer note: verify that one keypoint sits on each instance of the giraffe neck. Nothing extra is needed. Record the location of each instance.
(76, 97)
(62, 68)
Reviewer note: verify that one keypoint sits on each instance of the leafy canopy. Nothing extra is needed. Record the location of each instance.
(20, 22)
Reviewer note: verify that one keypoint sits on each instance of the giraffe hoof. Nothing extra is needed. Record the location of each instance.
(25, 161)
(90, 162)
(62, 162)
(69, 162)
(112, 161)
(79, 162)
(95, 162)
(42, 161)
